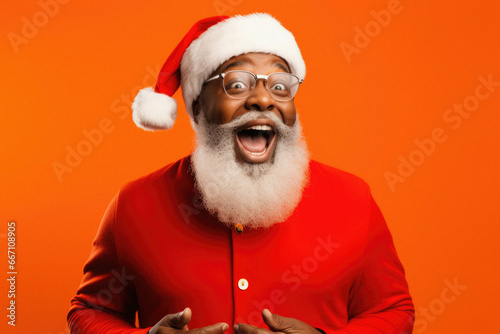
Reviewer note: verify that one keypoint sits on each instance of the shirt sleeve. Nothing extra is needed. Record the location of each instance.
(379, 300)
(105, 302)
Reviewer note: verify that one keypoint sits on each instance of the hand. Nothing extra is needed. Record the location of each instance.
(177, 324)
(277, 324)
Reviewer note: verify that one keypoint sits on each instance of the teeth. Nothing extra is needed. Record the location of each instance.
(261, 127)
(257, 153)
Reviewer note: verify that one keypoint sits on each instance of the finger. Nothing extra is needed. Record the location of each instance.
(185, 318)
(177, 320)
(249, 329)
(276, 322)
(218, 328)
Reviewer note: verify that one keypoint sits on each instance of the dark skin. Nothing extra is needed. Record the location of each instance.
(177, 324)
(221, 109)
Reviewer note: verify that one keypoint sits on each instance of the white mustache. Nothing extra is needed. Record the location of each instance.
(251, 116)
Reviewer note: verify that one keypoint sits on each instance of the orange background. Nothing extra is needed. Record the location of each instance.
(86, 62)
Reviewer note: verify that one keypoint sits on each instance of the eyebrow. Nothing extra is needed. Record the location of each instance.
(243, 62)
(281, 66)
(235, 64)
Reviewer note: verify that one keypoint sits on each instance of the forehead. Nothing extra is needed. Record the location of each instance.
(261, 61)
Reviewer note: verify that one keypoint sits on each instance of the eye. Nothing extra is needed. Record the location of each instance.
(236, 85)
(278, 86)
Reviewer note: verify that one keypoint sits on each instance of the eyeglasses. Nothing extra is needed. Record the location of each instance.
(240, 84)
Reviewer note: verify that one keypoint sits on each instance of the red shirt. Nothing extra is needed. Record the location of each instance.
(332, 264)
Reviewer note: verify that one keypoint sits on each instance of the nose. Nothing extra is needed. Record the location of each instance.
(260, 99)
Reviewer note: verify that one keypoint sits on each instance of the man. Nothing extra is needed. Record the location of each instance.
(246, 231)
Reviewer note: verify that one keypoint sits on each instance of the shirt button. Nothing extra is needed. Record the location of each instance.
(238, 228)
(243, 284)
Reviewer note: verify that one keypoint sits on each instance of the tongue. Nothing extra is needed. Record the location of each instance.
(254, 143)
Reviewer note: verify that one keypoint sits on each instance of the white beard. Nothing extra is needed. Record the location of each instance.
(254, 195)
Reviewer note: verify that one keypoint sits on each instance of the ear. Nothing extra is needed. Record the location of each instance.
(196, 106)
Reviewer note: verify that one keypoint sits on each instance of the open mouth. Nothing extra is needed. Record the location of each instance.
(256, 141)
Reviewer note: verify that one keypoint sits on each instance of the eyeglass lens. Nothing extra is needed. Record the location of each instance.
(240, 84)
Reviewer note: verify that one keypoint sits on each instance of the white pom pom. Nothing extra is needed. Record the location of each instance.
(154, 111)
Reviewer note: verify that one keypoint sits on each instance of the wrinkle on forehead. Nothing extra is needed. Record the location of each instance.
(246, 59)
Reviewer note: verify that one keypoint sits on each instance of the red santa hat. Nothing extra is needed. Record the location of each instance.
(208, 44)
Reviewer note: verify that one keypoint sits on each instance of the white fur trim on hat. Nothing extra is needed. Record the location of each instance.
(233, 37)
(154, 111)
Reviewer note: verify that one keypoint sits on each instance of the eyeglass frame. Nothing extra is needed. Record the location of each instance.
(257, 77)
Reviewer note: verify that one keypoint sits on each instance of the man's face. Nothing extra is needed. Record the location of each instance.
(254, 177)
(255, 141)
